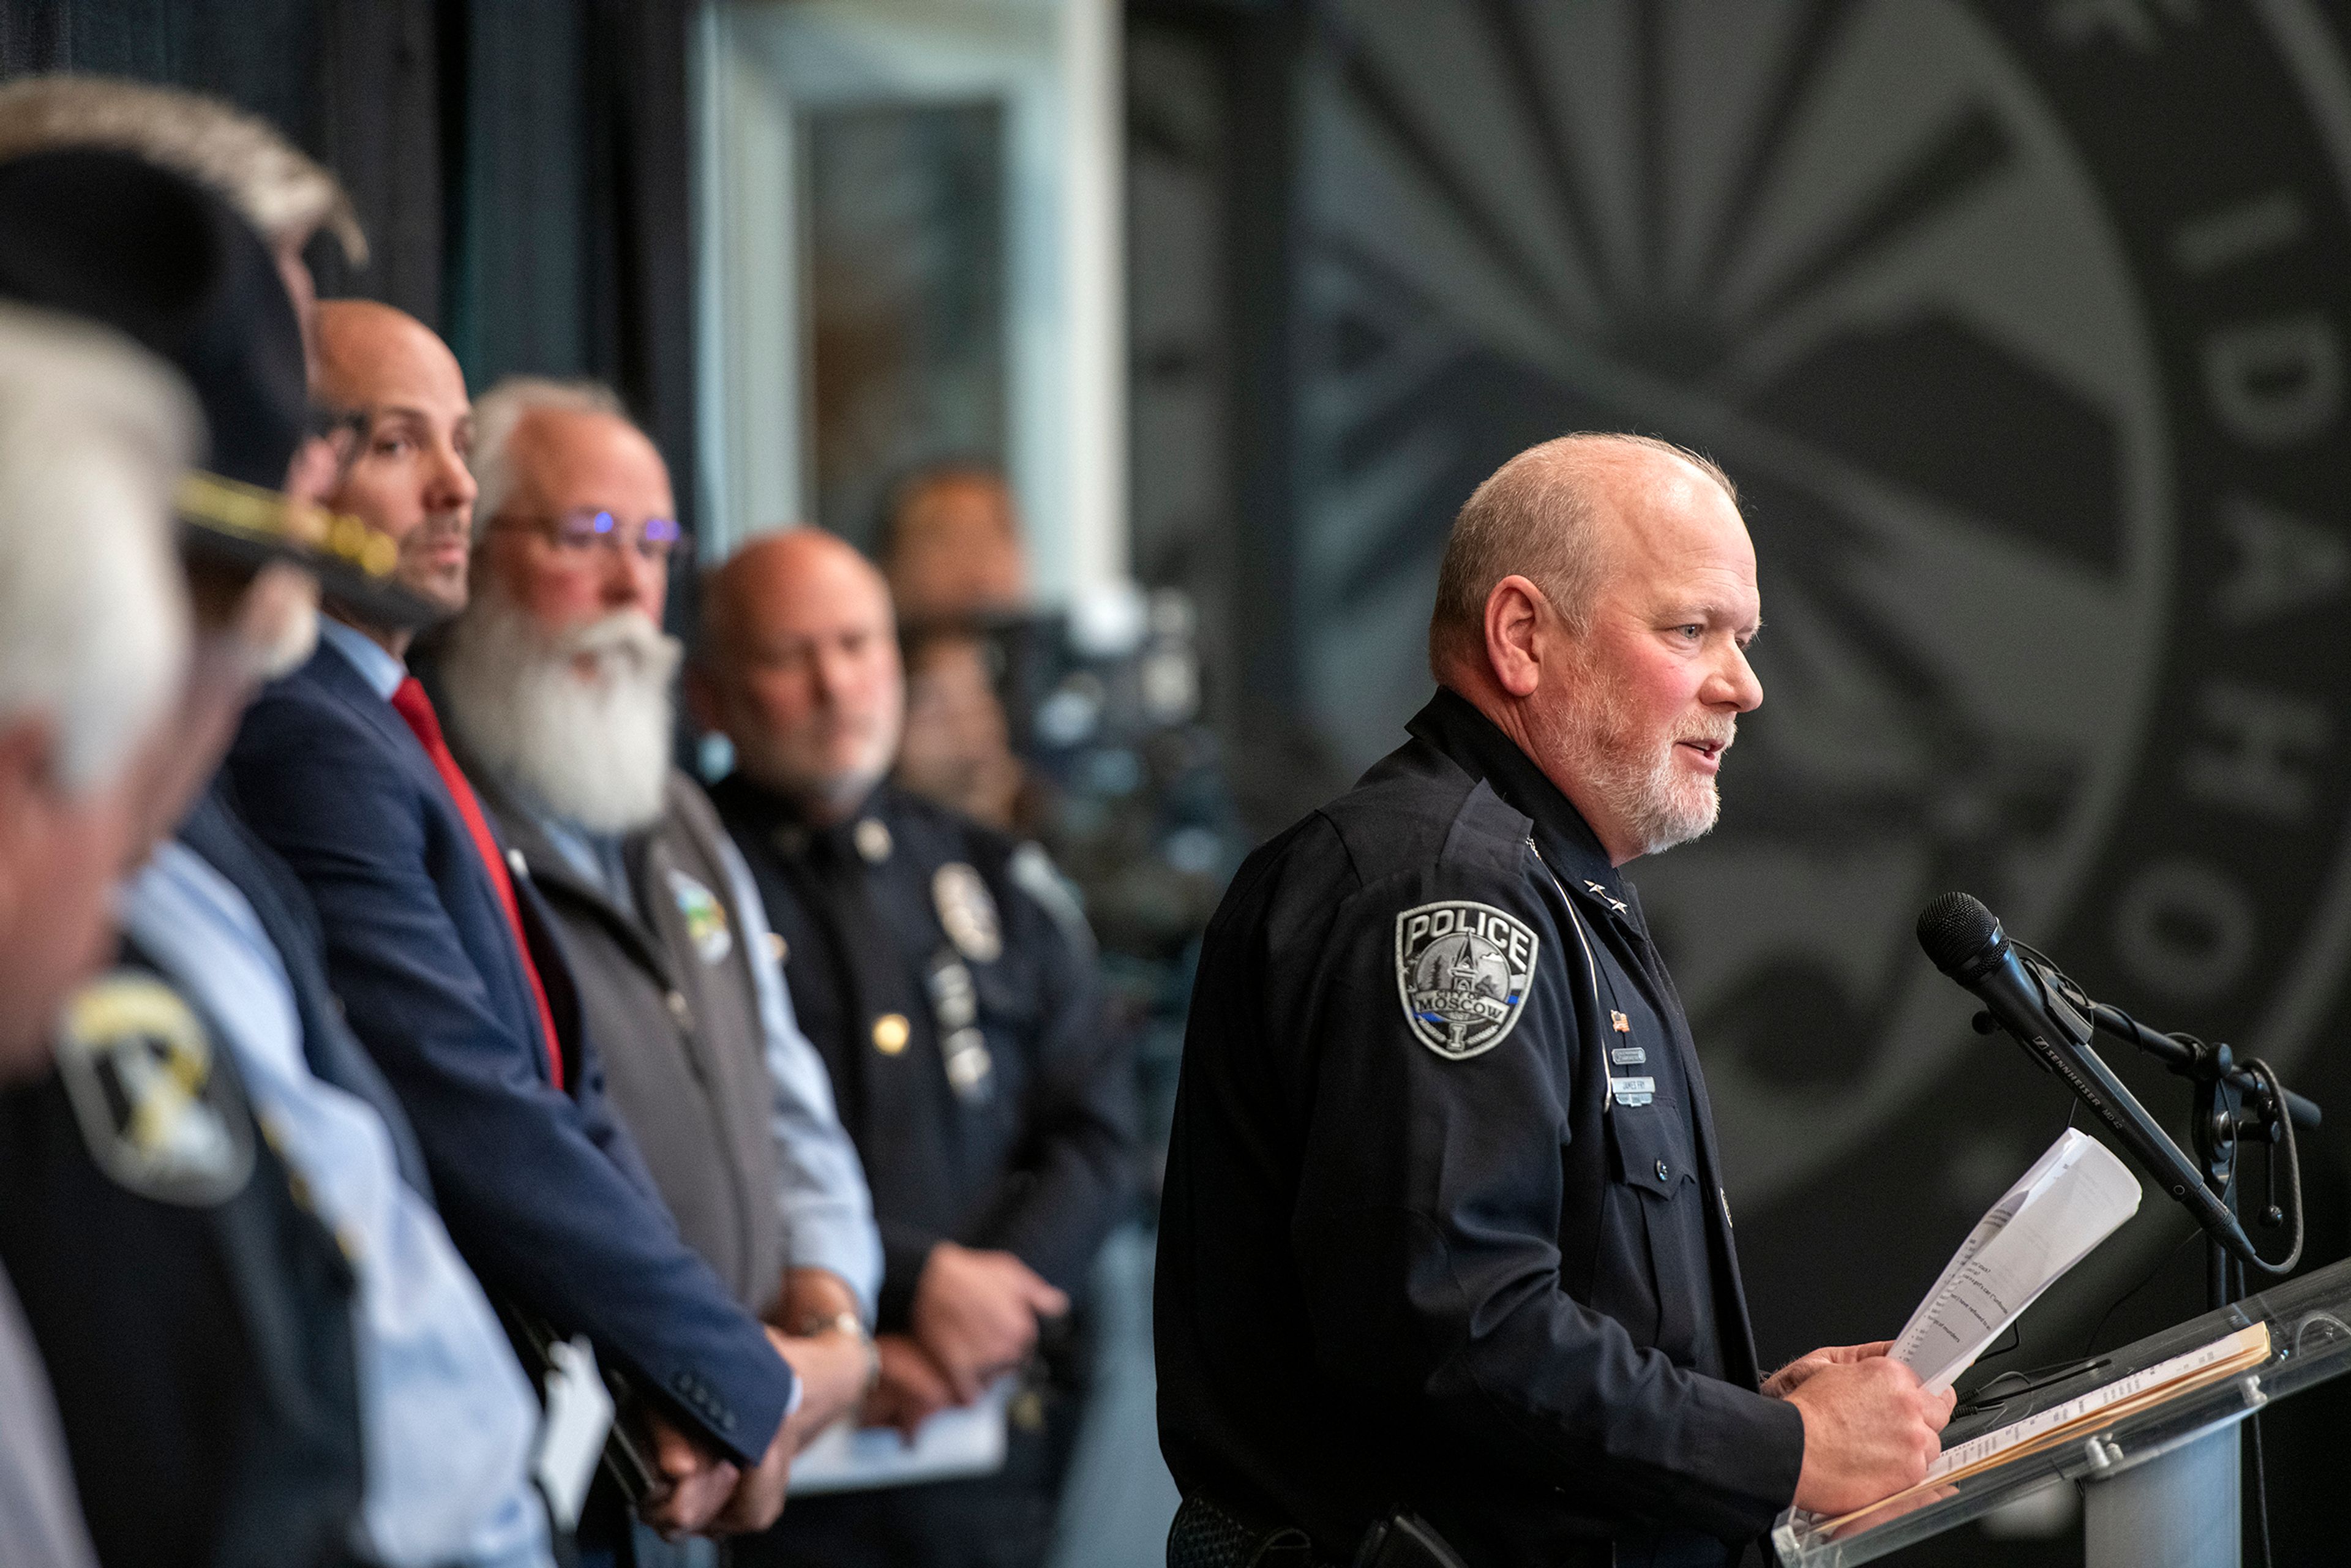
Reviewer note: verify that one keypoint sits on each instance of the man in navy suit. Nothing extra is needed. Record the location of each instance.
(443, 960)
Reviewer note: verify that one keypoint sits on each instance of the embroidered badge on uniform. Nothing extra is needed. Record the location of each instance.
(1462, 972)
(138, 1069)
(967, 912)
(706, 918)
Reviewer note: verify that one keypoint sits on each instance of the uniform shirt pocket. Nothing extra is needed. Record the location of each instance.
(1653, 1160)
(1652, 1147)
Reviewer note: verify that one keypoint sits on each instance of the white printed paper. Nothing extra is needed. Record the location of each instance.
(2074, 1196)
(965, 1441)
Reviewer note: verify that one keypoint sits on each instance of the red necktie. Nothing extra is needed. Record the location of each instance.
(410, 703)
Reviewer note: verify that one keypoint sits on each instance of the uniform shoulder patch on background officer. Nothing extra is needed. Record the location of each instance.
(161, 1117)
(704, 917)
(967, 912)
(1462, 973)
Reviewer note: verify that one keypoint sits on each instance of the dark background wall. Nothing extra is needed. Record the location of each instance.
(519, 165)
(2021, 326)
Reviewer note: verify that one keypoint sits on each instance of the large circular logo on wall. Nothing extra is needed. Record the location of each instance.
(2021, 328)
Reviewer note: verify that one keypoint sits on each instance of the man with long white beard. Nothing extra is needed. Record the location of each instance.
(557, 683)
(446, 964)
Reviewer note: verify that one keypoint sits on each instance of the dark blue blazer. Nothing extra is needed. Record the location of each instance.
(542, 1189)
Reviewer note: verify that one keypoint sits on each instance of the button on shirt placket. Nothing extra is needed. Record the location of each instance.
(1632, 960)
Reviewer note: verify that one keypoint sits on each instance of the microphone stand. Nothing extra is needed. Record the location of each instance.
(2231, 1104)
(2231, 1107)
(2147, 1513)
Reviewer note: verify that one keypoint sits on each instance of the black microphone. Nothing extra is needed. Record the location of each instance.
(1967, 944)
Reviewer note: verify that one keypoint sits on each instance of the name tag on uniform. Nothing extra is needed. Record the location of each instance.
(1633, 1091)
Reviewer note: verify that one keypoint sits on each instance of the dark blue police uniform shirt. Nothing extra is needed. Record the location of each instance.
(990, 1099)
(194, 1316)
(1414, 1249)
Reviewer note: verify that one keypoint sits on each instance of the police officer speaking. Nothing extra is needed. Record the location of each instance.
(1443, 1247)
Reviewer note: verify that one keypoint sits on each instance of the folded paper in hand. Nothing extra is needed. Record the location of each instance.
(966, 1441)
(2074, 1196)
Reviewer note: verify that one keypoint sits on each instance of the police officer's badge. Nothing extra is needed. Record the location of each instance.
(704, 917)
(1463, 970)
(160, 1114)
(967, 912)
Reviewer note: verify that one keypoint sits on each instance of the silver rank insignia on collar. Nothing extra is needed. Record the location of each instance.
(1618, 905)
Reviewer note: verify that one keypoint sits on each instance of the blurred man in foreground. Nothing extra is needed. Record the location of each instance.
(447, 963)
(93, 639)
(285, 195)
(965, 1037)
(273, 1352)
(1444, 1230)
(557, 682)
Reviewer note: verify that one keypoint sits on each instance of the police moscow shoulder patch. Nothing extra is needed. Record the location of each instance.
(159, 1114)
(1463, 970)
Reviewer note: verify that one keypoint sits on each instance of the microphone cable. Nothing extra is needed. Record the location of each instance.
(2272, 1096)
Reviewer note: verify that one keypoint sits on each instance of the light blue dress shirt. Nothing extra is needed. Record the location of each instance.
(826, 1208)
(448, 1420)
(40, 1517)
(376, 667)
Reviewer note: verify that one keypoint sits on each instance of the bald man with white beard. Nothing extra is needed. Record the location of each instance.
(556, 685)
(1446, 1240)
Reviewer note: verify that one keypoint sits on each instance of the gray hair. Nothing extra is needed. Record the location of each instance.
(499, 412)
(1533, 516)
(94, 434)
(279, 190)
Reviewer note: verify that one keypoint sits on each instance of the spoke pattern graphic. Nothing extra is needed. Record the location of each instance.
(1943, 498)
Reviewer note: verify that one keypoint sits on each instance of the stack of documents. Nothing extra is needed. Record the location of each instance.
(2074, 1196)
(2245, 1351)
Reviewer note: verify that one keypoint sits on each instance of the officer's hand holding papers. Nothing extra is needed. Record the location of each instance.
(2074, 1196)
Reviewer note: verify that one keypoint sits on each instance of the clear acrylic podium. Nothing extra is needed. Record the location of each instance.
(2159, 1487)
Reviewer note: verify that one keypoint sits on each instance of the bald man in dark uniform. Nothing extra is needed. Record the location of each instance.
(1445, 1246)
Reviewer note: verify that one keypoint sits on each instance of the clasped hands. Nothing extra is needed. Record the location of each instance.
(975, 1316)
(701, 1493)
(1870, 1429)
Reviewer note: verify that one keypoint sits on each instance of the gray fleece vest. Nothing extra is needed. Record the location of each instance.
(670, 1003)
